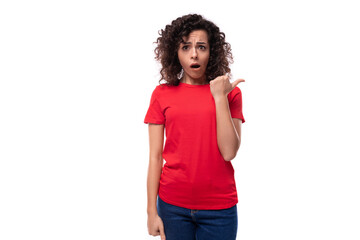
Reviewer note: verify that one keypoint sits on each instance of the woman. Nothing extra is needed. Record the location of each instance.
(193, 195)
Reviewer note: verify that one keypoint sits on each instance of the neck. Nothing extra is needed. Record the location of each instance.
(193, 81)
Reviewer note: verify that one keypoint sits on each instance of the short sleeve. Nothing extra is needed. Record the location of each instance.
(155, 114)
(235, 104)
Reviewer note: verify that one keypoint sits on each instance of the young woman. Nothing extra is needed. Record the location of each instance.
(193, 195)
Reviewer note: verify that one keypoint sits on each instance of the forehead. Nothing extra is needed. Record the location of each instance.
(197, 36)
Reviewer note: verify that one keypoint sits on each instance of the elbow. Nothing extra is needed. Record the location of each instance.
(230, 156)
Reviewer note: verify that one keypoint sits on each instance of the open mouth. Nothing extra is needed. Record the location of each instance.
(195, 66)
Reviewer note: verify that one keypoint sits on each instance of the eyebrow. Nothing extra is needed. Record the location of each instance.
(196, 43)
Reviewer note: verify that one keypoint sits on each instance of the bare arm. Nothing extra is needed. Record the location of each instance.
(228, 130)
(156, 141)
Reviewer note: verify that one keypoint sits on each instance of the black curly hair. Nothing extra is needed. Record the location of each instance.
(169, 42)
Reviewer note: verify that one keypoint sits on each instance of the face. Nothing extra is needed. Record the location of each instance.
(194, 54)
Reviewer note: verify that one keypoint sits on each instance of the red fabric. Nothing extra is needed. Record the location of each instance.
(195, 175)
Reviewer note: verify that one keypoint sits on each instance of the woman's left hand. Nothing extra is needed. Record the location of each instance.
(221, 86)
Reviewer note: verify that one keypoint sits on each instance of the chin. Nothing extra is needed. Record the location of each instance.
(197, 76)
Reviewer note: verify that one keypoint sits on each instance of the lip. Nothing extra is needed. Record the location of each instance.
(195, 64)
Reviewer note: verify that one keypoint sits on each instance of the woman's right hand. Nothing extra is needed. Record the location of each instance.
(156, 226)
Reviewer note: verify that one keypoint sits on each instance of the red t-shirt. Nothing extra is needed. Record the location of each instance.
(195, 175)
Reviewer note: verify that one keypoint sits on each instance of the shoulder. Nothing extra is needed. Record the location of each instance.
(234, 92)
(162, 88)
(160, 92)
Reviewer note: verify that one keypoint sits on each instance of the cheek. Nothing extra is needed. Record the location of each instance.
(207, 56)
(181, 59)
(207, 59)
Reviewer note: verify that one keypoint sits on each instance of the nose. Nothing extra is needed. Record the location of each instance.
(194, 54)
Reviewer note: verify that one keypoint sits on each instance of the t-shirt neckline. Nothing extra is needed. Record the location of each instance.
(193, 86)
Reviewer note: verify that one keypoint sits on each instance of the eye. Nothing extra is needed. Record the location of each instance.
(201, 47)
(185, 47)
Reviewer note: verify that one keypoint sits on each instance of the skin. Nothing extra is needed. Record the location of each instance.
(193, 49)
(156, 143)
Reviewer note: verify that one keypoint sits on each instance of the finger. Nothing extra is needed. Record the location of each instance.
(235, 83)
(162, 232)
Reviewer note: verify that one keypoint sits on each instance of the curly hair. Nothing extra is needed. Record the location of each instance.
(169, 42)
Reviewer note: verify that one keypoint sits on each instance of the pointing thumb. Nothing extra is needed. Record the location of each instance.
(235, 83)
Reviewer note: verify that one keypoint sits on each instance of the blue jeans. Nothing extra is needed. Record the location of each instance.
(187, 224)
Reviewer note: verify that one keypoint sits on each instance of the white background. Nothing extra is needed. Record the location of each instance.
(76, 80)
